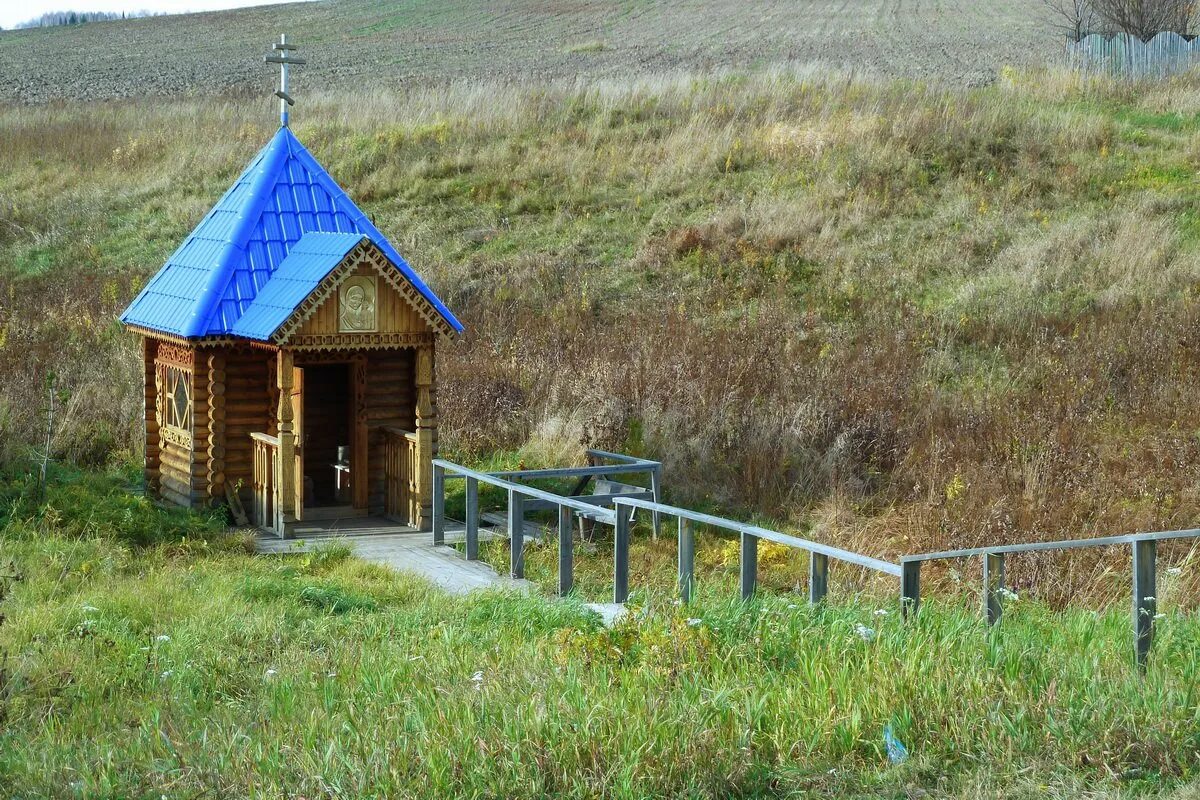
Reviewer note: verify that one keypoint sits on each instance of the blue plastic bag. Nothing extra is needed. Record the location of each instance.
(897, 752)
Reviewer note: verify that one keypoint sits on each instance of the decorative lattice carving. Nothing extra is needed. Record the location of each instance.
(362, 254)
(359, 341)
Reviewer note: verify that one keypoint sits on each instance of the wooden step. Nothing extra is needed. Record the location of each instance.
(318, 513)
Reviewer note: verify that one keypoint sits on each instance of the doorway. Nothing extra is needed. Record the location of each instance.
(327, 450)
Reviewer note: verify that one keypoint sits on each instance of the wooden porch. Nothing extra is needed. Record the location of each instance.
(285, 514)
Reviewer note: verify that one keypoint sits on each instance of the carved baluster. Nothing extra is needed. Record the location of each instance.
(216, 426)
(426, 426)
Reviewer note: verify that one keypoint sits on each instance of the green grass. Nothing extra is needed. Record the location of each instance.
(172, 670)
(887, 316)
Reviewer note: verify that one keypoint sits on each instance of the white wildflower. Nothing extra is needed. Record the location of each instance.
(792, 605)
(477, 679)
(1008, 594)
(864, 633)
(330, 674)
(1174, 571)
(694, 622)
(271, 673)
(167, 674)
(1160, 616)
(90, 609)
(162, 637)
(881, 612)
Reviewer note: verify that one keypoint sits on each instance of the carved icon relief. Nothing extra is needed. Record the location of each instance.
(356, 304)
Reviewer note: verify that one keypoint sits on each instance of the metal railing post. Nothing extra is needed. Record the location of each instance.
(472, 522)
(687, 559)
(818, 577)
(516, 534)
(993, 583)
(439, 506)
(1145, 601)
(910, 588)
(749, 561)
(566, 552)
(656, 492)
(621, 556)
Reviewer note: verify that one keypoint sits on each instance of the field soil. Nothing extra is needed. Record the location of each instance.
(368, 44)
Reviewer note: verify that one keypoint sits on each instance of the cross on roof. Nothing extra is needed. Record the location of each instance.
(283, 60)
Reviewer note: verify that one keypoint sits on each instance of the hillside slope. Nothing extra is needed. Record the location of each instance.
(372, 44)
(900, 317)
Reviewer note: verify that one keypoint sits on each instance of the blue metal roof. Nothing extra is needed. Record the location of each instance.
(214, 278)
(306, 265)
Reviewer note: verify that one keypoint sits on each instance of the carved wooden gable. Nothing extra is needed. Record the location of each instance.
(363, 302)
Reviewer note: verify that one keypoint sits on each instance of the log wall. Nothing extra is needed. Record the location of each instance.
(250, 397)
(390, 400)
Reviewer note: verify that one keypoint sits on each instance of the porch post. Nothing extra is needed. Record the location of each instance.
(426, 427)
(287, 440)
(360, 453)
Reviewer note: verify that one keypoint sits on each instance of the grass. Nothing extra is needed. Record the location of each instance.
(172, 669)
(817, 300)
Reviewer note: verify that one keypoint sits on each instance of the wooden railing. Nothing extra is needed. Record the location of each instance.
(401, 475)
(267, 508)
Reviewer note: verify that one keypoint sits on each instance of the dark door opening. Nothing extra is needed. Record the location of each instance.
(327, 450)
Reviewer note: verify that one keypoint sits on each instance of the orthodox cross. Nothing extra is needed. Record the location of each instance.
(284, 59)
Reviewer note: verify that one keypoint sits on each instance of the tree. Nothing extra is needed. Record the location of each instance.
(1141, 18)
(1074, 18)
(1146, 18)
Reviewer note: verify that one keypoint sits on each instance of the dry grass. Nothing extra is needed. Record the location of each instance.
(954, 316)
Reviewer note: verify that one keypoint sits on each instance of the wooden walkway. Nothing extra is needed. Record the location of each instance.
(399, 547)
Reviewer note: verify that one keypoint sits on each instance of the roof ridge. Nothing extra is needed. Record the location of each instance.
(274, 158)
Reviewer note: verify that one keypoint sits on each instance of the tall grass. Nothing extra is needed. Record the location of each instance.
(170, 669)
(894, 316)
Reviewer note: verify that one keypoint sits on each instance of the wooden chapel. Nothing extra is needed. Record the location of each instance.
(289, 354)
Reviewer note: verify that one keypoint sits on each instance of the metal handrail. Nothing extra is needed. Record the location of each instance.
(1063, 544)
(908, 570)
(1144, 547)
(750, 534)
(457, 470)
(517, 494)
(879, 565)
(630, 464)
